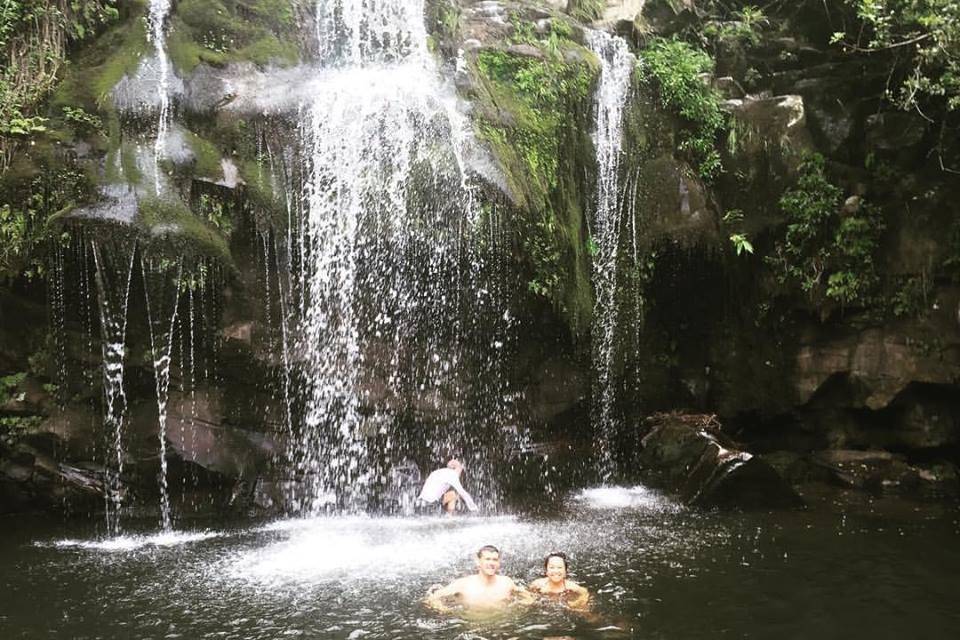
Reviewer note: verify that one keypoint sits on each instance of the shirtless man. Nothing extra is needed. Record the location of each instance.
(483, 590)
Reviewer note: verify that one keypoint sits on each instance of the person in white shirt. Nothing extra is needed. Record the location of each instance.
(443, 486)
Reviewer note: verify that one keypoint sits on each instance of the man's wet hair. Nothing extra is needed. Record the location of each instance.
(488, 547)
(557, 554)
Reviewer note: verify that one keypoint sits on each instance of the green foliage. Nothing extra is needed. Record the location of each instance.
(8, 387)
(215, 211)
(34, 36)
(745, 27)
(83, 122)
(539, 92)
(677, 66)
(734, 219)
(23, 225)
(926, 37)
(586, 10)
(18, 125)
(827, 250)
(740, 243)
(910, 298)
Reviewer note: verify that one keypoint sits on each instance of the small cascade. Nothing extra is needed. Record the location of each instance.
(162, 278)
(156, 22)
(610, 224)
(113, 266)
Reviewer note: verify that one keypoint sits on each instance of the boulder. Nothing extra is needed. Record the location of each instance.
(688, 455)
(667, 17)
(895, 130)
(884, 472)
(777, 121)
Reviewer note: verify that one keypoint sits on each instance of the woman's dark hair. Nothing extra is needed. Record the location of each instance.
(557, 554)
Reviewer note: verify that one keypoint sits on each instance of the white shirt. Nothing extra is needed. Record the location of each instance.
(439, 482)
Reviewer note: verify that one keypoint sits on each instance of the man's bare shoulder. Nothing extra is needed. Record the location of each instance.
(462, 582)
(506, 582)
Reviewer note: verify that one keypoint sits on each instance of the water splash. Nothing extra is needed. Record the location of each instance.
(617, 64)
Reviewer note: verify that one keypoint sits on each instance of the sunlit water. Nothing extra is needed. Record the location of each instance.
(657, 571)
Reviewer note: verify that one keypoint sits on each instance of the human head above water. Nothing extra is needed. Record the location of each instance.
(487, 548)
(556, 554)
(456, 465)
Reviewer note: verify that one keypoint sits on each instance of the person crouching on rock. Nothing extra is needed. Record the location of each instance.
(443, 487)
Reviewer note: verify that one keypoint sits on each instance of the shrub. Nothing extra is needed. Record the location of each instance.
(677, 68)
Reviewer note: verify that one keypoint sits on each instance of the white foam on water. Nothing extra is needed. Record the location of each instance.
(636, 497)
(372, 548)
(132, 543)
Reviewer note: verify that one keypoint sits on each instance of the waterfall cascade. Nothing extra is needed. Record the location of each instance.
(385, 237)
(613, 220)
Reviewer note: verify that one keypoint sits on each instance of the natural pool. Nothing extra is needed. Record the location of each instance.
(657, 571)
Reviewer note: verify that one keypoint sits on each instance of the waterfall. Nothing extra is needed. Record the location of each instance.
(609, 220)
(162, 280)
(113, 298)
(383, 233)
(156, 22)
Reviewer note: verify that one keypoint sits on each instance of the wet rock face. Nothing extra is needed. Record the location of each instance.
(883, 363)
(689, 456)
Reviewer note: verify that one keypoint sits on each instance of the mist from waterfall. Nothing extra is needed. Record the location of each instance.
(610, 223)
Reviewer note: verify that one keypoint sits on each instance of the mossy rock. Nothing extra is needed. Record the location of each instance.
(96, 70)
(532, 110)
(171, 223)
(218, 32)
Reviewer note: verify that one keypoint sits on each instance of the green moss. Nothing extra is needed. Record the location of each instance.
(98, 68)
(533, 114)
(172, 221)
(221, 31)
(208, 158)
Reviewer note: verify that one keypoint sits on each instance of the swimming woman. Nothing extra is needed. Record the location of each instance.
(556, 583)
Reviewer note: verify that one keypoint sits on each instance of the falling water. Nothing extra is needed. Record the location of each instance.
(156, 21)
(617, 64)
(162, 278)
(114, 261)
(384, 214)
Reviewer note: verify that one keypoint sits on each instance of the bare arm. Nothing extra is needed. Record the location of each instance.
(581, 597)
(456, 486)
(435, 598)
(522, 595)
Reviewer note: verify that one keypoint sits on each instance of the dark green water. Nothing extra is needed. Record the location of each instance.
(657, 571)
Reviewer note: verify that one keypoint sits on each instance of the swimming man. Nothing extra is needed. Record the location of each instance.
(483, 590)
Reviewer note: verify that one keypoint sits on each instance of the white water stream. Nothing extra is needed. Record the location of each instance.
(156, 22)
(609, 220)
(113, 297)
(381, 231)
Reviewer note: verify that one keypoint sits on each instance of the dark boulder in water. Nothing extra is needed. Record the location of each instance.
(689, 456)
